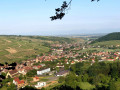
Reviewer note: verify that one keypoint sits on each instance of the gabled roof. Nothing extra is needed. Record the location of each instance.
(16, 79)
(13, 72)
(21, 82)
(36, 77)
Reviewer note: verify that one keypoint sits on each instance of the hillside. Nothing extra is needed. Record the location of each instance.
(108, 37)
(17, 48)
(108, 43)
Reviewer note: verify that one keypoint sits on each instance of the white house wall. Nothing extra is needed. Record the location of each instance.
(43, 71)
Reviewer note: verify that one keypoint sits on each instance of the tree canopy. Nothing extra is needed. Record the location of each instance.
(99, 76)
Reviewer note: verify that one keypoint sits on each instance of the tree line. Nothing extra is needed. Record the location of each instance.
(99, 76)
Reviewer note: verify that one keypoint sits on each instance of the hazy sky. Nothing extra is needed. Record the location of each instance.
(31, 17)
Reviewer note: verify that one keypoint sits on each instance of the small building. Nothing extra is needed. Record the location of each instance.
(62, 73)
(60, 66)
(37, 59)
(1, 67)
(40, 84)
(72, 62)
(19, 83)
(22, 71)
(12, 73)
(43, 65)
(35, 79)
(110, 60)
(16, 79)
(41, 72)
(27, 68)
(37, 67)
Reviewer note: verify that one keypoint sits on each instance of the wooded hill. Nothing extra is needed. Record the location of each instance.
(108, 37)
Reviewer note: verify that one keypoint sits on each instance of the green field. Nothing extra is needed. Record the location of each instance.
(107, 43)
(17, 48)
(14, 48)
(97, 49)
(3, 88)
(86, 86)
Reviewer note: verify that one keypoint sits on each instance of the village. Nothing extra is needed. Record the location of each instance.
(45, 69)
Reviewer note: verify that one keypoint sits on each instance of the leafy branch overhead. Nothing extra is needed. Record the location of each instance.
(60, 12)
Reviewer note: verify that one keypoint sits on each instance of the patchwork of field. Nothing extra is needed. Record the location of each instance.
(17, 48)
(14, 48)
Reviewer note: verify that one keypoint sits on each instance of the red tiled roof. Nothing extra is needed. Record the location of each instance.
(28, 68)
(21, 82)
(39, 66)
(16, 79)
(36, 77)
(13, 72)
(72, 62)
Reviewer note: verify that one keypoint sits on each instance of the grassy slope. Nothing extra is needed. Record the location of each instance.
(3, 88)
(86, 86)
(108, 43)
(16, 48)
(105, 44)
(108, 37)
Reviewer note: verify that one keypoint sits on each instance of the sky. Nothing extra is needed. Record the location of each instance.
(31, 17)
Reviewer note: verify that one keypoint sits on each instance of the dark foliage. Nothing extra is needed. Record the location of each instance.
(13, 64)
(1, 64)
(111, 36)
(31, 73)
(60, 12)
(102, 75)
(2, 77)
(10, 68)
(28, 88)
(63, 87)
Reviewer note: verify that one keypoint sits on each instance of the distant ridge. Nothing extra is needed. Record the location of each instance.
(108, 37)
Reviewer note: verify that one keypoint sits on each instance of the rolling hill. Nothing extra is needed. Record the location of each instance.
(110, 41)
(108, 37)
(17, 48)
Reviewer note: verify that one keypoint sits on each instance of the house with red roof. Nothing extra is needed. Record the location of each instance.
(12, 73)
(28, 68)
(35, 79)
(19, 83)
(110, 59)
(72, 62)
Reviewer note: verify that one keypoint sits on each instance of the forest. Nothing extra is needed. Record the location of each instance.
(108, 37)
(99, 76)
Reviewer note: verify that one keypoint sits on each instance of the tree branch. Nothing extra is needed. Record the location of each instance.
(60, 12)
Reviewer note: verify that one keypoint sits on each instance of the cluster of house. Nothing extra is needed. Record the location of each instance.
(107, 46)
(40, 84)
(23, 68)
(19, 83)
(58, 53)
(103, 56)
(86, 56)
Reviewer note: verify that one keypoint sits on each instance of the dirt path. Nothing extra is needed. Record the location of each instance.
(19, 45)
(52, 78)
(11, 50)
